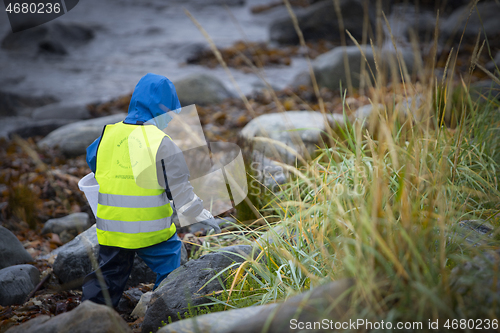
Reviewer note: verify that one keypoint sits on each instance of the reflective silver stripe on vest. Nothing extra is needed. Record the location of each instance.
(133, 227)
(133, 201)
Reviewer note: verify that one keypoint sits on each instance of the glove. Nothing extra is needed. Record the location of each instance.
(212, 223)
(207, 219)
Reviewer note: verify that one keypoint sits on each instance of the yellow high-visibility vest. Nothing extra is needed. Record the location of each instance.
(133, 210)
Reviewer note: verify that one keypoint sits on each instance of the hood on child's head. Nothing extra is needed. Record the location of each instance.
(153, 96)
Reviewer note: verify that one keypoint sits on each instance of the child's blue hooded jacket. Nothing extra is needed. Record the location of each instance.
(153, 96)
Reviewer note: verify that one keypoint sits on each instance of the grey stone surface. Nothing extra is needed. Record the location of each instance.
(299, 130)
(129, 300)
(87, 317)
(16, 282)
(27, 127)
(73, 263)
(455, 24)
(201, 89)
(475, 232)
(268, 172)
(313, 305)
(319, 21)
(484, 90)
(53, 38)
(72, 224)
(73, 139)
(218, 322)
(15, 105)
(62, 111)
(142, 305)
(182, 286)
(212, 2)
(365, 112)
(301, 79)
(141, 273)
(12, 251)
(330, 70)
(492, 65)
(478, 279)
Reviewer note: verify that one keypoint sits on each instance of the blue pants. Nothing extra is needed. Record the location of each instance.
(116, 265)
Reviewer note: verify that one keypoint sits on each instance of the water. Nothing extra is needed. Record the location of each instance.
(133, 38)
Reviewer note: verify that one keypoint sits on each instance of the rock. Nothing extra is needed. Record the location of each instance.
(483, 91)
(182, 286)
(365, 112)
(52, 38)
(301, 79)
(455, 24)
(423, 25)
(184, 254)
(15, 104)
(319, 21)
(73, 263)
(217, 322)
(74, 138)
(141, 307)
(187, 52)
(198, 3)
(310, 306)
(268, 172)
(492, 65)
(477, 279)
(62, 111)
(475, 232)
(27, 127)
(330, 70)
(291, 128)
(87, 317)
(479, 226)
(141, 273)
(72, 224)
(129, 300)
(12, 251)
(16, 282)
(201, 89)
(414, 107)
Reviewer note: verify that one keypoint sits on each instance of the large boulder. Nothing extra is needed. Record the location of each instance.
(201, 89)
(486, 16)
(184, 286)
(87, 317)
(16, 282)
(67, 227)
(311, 306)
(73, 259)
(70, 111)
(12, 251)
(48, 38)
(330, 69)
(326, 301)
(27, 127)
(15, 104)
(320, 21)
(299, 130)
(217, 322)
(73, 139)
(141, 273)
(483, 91)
